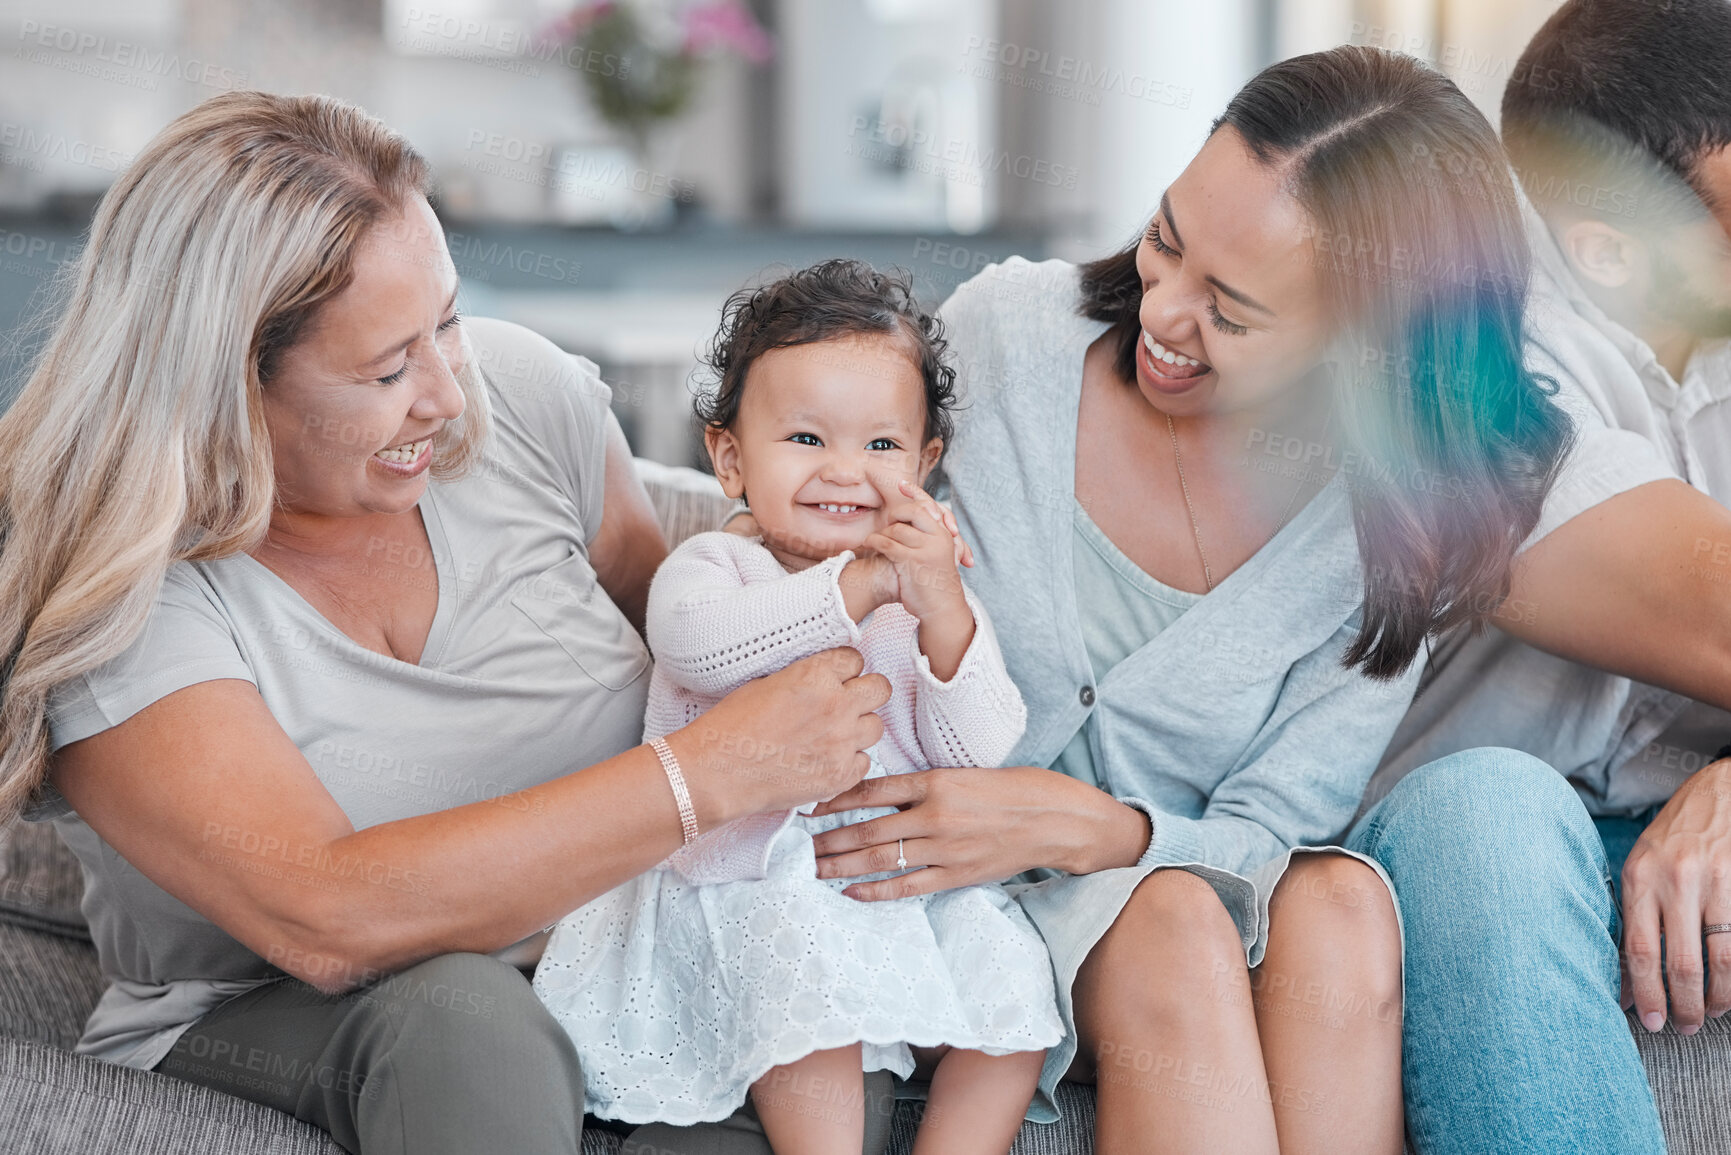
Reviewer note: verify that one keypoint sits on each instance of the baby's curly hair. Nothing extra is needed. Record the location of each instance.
(836, 298)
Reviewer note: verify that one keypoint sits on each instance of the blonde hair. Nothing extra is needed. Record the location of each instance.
(139, 439)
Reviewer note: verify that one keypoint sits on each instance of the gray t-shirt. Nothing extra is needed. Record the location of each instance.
(529, 672)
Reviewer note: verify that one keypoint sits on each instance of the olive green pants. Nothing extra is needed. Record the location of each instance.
(452, 1056)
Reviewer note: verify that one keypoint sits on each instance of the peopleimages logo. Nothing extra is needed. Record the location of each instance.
(63, 47)
(951, 158)
(1068, 76)
(20, 143)
(495, 44)
(35, 248)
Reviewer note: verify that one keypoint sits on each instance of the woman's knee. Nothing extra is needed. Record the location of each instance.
(473, 987)
(1338, 891)
(1333, 917)
(1173, 940)
(1492, 855)
(1182, 910)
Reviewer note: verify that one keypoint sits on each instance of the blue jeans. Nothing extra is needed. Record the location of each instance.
(1619, 836)
(1514, 1040)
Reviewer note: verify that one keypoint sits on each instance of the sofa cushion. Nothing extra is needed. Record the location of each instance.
(48, 984)
(1071, 1135)
(1691, 1078)
(58, 1102)
(62, 1104)
(41, 883)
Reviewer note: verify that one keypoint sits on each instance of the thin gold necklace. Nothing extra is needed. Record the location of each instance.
(1195, 529)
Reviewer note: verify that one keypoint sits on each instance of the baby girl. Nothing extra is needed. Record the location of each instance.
(733, 969)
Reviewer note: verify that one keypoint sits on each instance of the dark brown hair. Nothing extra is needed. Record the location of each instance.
(1425, 265)
(836, 298)
(1614, 103)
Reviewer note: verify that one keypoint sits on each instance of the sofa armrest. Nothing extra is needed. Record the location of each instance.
(687, 501)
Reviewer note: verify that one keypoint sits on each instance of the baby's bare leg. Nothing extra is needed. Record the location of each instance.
(814, 1106)
(977, 1102)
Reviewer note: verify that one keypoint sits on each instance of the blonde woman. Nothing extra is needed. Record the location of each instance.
(316, 609)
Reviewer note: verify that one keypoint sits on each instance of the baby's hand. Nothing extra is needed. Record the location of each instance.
(867, 582)
(964, 553)
(922, 545)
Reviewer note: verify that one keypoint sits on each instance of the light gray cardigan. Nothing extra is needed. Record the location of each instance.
(1236, 729)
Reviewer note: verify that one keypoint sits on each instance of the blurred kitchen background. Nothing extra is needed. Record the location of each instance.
(608, 172)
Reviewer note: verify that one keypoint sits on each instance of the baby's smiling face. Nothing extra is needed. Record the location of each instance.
(824, 432)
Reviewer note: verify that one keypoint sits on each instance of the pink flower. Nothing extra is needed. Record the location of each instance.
(723, 25)
(563, 29)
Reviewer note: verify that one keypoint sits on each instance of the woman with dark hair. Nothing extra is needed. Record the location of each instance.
(1222, 486)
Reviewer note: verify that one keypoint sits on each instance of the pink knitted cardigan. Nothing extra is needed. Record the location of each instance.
(722, 611)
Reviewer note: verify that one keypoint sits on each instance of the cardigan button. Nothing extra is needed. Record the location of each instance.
(1087, 695)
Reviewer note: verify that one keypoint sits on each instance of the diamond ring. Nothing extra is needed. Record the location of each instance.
(901, 856)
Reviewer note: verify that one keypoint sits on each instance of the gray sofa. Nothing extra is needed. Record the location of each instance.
(52, 1101)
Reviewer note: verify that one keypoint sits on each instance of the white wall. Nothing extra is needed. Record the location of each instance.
(69, 131)
(888, 114)
(456, 98)
(1206, 50)
(1474, 42)
(1482, 41)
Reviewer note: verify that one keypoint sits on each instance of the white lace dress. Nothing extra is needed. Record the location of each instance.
(690, 982)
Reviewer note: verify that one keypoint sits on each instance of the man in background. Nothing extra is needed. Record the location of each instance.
(1612, 660)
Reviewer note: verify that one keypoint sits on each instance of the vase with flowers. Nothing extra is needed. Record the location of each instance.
(640, 61)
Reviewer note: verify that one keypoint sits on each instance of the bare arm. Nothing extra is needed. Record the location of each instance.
(1638, 585)
(206, 795)
(629, 545)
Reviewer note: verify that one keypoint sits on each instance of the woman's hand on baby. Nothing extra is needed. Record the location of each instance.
(959, 826)
(796, 736)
